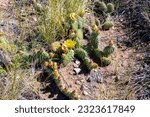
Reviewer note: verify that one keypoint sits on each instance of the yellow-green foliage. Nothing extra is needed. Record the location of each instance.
(55, 16)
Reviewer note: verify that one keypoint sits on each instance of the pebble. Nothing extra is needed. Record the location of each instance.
(78, 82)
(77, 70)
(84, 87)
(77, 62)
(85, 93)
(75, 66)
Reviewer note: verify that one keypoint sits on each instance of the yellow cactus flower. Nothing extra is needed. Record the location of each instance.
(70, 43)
(46, 64)
(95, 28)
(51, 55)
(55, 46)
(73, 16)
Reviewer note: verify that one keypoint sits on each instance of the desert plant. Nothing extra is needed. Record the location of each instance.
(67, 58)
(106, 9)
(107, 24)
(83, 55)
(52, 21)
(42, 55)
(101, 55)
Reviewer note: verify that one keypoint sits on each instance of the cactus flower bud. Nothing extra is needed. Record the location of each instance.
(42, 50)
(51, 55)
(56, 74)
(55, 66)
(95, 28)
(73, 16)
(51, 64)
(46, 64)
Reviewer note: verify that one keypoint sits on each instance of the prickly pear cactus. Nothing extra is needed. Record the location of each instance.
(102, 6)
(68, 57)
(110, 8)
(107, 24)
(42, 55)
(108, 50)
(81, 22)
(81, 53)
(94, 40)
(80, 33)
(75, 25)
(105, 61)
(98, 53)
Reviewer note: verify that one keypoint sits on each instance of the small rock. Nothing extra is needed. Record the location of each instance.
(75, 66)
(78, 82)
(95, 76)
(77, 70)
(84, 87)
(85, 93)
(77, 62)
(82, 81)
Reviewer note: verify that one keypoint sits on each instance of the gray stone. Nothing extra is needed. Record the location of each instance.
(77, 70)
(95, 76)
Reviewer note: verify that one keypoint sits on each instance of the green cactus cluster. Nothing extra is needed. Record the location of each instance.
(52, 69)
(68, 57)
(83, 55)
(101, 55)
(42, 55)
(107, 10)
(65, 51)
(76, 25)
(107, 24)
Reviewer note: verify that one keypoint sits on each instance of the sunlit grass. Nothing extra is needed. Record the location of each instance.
(52, 23)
